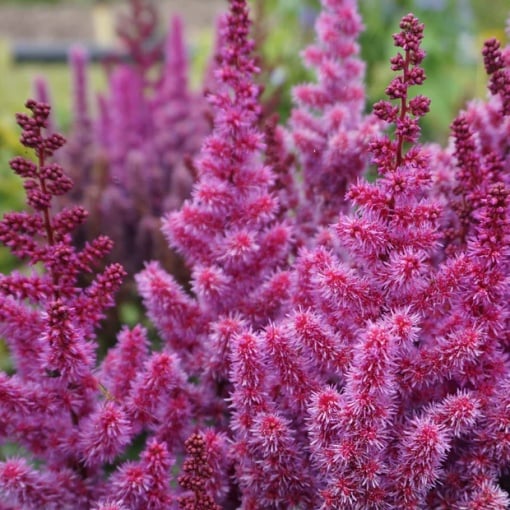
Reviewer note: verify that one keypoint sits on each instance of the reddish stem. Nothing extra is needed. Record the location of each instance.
(48, 227)
(47, 221)
(403, 113)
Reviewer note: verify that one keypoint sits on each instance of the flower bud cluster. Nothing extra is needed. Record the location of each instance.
(389, 155)
(499, 75)
(197, 472)
(329, 128)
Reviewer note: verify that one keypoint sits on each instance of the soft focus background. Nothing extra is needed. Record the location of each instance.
(454, 33)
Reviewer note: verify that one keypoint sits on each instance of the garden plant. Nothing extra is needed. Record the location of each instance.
(343, 339)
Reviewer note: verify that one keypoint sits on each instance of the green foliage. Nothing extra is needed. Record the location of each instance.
(11, 191)
(283, 28)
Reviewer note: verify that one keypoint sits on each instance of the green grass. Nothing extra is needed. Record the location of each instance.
(16, 84)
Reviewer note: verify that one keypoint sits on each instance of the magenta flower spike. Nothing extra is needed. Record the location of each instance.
(228, 231)
(176, 60)
(78, 61)
(329, 129)
(49, 322)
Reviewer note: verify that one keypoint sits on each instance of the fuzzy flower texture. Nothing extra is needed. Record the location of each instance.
(342, 343)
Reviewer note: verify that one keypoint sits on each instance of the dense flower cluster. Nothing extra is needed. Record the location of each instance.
(49, 322)
(343, 341)
(328, 125)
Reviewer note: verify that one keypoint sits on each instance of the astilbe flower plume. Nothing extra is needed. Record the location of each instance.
(229, 231)
(137, 29)
(479, 152)
(328, 126)
(49, 324)
(494, 61)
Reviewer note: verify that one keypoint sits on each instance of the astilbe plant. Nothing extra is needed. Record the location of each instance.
(48, 406)
(328, 126)
(380, 352)
(129, 160)
(362, 368)
(412, 416)
(70, 417)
